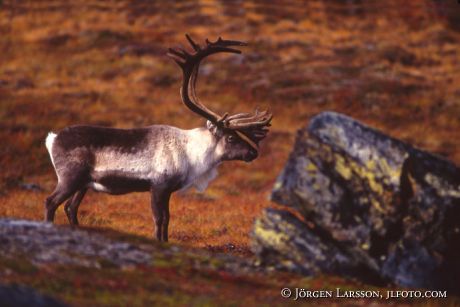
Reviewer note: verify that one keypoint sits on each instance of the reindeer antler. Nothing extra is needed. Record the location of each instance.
(251, 125)
(190, 63)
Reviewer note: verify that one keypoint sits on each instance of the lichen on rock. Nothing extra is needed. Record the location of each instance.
(386, 210)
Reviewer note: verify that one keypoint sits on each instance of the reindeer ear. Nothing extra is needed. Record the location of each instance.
(211, 127)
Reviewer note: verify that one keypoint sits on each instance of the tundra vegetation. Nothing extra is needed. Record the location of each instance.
(393, 67)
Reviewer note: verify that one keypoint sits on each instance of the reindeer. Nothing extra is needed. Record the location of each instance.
(160, 159)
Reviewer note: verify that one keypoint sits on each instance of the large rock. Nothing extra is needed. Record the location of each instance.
(373, 208)
(45, 243)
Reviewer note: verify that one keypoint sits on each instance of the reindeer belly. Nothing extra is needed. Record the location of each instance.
(118, 183)
(117, 172)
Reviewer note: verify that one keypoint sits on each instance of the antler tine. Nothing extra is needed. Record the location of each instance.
(226, 42)
(247, 116)
(259, 119)
(178, 53)
(239, 115)
(195, 46)
(256, 117)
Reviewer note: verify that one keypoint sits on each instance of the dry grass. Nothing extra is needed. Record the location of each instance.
(102, 62)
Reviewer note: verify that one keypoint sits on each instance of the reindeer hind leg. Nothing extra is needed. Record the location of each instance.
(71, 181)
(71, 206)
(60, 194)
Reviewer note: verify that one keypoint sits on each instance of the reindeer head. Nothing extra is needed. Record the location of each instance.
(238, 135)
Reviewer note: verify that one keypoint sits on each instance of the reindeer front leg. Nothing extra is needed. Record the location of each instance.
(165, 217)
(160, 210)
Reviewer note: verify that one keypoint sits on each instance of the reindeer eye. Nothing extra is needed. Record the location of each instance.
(231, 139)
